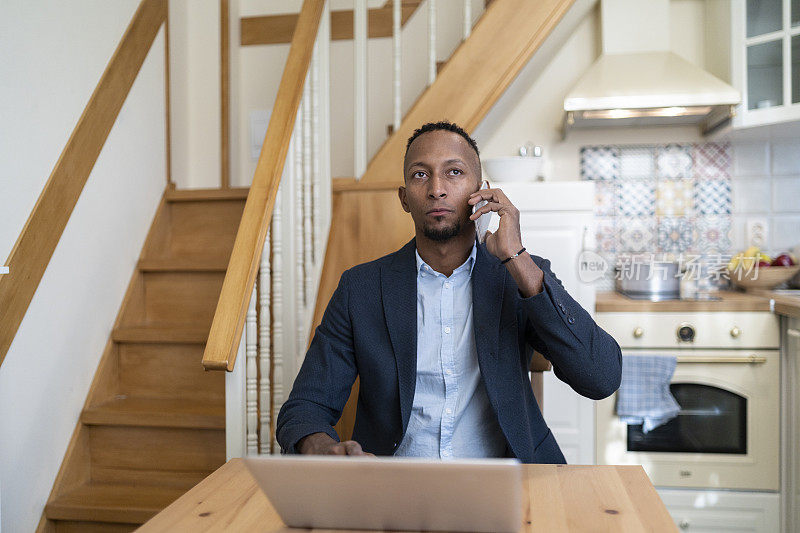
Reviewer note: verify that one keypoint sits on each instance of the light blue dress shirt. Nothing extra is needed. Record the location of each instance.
(451, 416)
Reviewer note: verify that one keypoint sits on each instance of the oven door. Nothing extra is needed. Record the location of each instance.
(726, 434)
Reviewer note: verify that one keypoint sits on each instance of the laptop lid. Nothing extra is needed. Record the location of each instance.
(396, 493)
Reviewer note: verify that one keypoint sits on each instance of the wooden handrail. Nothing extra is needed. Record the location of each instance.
(32, 252)
(229, 318)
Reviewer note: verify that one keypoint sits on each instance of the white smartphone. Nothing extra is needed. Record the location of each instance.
(482, 223)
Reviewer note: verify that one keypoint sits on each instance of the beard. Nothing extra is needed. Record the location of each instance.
(442, 234)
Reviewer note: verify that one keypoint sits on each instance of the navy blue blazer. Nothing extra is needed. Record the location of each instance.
(370, 330)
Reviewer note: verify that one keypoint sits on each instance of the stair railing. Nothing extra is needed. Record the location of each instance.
(266, 307)
(36, 243)
(268, 296)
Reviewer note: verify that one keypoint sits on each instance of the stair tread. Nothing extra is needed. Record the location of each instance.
(161, 412)
(165, 333)
(193, 195)
(112, 503)
(183, 263)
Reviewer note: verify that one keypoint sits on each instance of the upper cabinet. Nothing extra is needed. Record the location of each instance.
(765, 55)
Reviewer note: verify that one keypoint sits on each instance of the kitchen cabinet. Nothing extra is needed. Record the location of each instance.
(765, 60)
(790, 347)
(723, 510)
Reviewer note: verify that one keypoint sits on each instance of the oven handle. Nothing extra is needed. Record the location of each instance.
(726, 359)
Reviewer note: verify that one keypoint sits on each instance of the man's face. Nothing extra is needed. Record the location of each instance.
(440, 171)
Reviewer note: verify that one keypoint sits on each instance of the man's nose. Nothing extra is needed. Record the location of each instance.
(436, 188)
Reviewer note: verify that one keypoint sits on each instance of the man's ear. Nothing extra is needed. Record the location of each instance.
(401, 193)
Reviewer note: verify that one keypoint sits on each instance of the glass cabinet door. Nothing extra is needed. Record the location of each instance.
(769, 59)
(765, 75)
(764, 16)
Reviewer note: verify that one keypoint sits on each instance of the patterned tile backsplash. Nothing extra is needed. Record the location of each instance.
(671, 198)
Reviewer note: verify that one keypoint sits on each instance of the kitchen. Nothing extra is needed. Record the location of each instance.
(689, 199)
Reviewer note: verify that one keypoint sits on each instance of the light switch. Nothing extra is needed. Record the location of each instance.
(259, 120)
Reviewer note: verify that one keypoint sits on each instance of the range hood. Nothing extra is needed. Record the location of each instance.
(638, 81)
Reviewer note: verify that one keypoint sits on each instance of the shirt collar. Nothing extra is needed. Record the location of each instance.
(470, 262)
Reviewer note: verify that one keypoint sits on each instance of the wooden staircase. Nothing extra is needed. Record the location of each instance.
(153, 424)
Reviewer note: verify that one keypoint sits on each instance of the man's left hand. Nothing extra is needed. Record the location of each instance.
(507, 240)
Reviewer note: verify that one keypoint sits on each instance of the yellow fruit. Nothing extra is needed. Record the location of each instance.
(735, 261)
(750, 257)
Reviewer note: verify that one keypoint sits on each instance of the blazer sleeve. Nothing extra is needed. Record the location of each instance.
(583, 355)
(326, 377)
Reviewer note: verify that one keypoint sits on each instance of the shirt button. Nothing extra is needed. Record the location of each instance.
(571, 320)
(446, 284)
(447, 329)
(448, 371)
(448, 411)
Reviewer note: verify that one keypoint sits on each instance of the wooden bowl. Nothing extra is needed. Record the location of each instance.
(762, 277)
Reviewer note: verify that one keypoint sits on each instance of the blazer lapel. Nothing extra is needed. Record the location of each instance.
(399, 295)
(487, 300)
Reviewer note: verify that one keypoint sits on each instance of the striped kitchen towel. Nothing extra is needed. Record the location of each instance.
(644, 396)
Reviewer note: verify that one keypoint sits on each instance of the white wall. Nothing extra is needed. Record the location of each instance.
(53, 55)
(195, 93)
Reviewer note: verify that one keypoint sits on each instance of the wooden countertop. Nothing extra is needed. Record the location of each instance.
(784, 304)
(561, 498)
(610, 301)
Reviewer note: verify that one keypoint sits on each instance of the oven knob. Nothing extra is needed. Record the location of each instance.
(735, 331)
(638, 332)
(686, 332)
(684, 523)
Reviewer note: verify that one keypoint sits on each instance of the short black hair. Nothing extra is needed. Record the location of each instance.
(447, 126)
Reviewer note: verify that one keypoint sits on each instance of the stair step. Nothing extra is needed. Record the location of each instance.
(200, 228)
(167, 370)
(156, 412)
(194, 195)
(179, 334)
(133, 504)
(183, 264)
(80, 526)
(168, 449)
(162, 478)
(178, 298)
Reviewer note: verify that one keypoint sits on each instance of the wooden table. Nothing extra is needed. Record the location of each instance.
(562, 498)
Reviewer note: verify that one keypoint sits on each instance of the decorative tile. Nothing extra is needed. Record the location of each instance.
(712, 197)
(605, 198)
(599, 162)
(674, 197)
(636, 234)
(713, 234)
(636, 161)
(636, 198)
(712, 160)
(674, 161)
(675, 234)
(605, 231)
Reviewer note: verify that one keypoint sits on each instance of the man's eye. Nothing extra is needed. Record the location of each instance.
(414, 175)
(456, 170)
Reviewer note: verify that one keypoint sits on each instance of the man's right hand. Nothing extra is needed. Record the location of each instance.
(323, 444)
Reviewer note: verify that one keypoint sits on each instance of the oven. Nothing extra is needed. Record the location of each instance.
(727, 383)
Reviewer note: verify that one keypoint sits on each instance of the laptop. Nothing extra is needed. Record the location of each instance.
(395, 493)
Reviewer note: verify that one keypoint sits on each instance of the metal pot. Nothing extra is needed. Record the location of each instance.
(648, 279)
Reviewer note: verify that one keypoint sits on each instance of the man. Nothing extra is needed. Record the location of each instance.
(441, 331)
